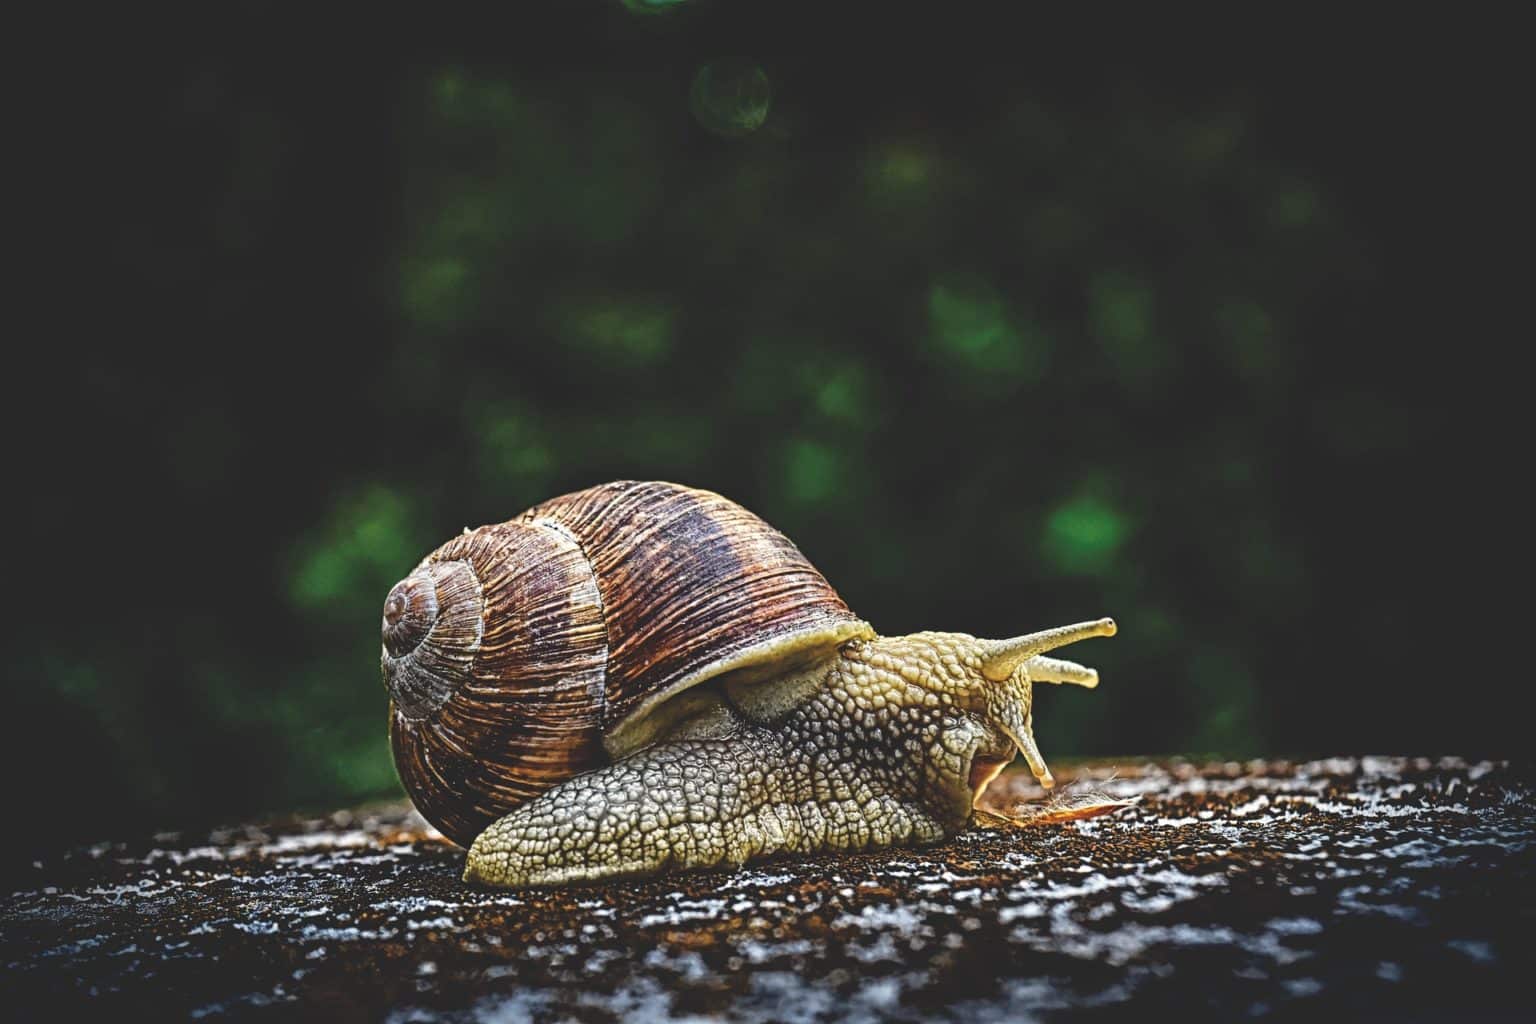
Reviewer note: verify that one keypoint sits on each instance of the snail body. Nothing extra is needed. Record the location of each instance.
(643, 676)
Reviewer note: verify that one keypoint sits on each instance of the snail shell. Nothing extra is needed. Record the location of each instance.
(523, 653)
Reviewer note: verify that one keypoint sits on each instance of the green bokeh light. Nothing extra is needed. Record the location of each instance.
(515, 452)
(436, 292)
(1122, 311)
(731, 97)
(1225, 690)
(1295, 206)
(813, 470)
(841, 390)
(973, 332)
(1120, 315)
(621, 333)
(367, 544)
(1249, 332)
(1084, 534)
(901, 173)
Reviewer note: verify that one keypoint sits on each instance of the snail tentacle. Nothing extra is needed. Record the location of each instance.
(1056, 670)
(1003, 656)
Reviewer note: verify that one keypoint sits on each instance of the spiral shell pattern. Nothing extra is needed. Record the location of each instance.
(513, 650)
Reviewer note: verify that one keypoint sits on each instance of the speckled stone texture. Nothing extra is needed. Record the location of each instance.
(1377, 888)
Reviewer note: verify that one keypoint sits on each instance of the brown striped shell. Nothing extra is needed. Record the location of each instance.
(523, 653)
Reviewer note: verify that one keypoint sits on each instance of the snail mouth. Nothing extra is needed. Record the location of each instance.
(432, 627)
(983, 771)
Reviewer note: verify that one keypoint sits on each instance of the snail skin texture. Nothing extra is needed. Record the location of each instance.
(643, 677)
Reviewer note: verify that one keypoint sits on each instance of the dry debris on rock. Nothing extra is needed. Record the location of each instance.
(1380, 887)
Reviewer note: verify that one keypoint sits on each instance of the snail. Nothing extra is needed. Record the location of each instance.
(643, 676)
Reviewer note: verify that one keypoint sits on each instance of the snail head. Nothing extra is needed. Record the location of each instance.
(1012, 667)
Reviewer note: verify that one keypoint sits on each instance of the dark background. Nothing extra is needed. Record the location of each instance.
(1005, 325)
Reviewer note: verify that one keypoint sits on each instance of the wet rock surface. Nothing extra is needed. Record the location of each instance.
(1372, 887)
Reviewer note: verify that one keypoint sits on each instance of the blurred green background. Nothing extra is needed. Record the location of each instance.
(1001, 340)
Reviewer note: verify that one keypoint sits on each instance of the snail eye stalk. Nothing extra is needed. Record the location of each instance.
(1001, 657)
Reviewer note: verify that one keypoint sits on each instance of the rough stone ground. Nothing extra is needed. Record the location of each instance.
(1369, 887)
